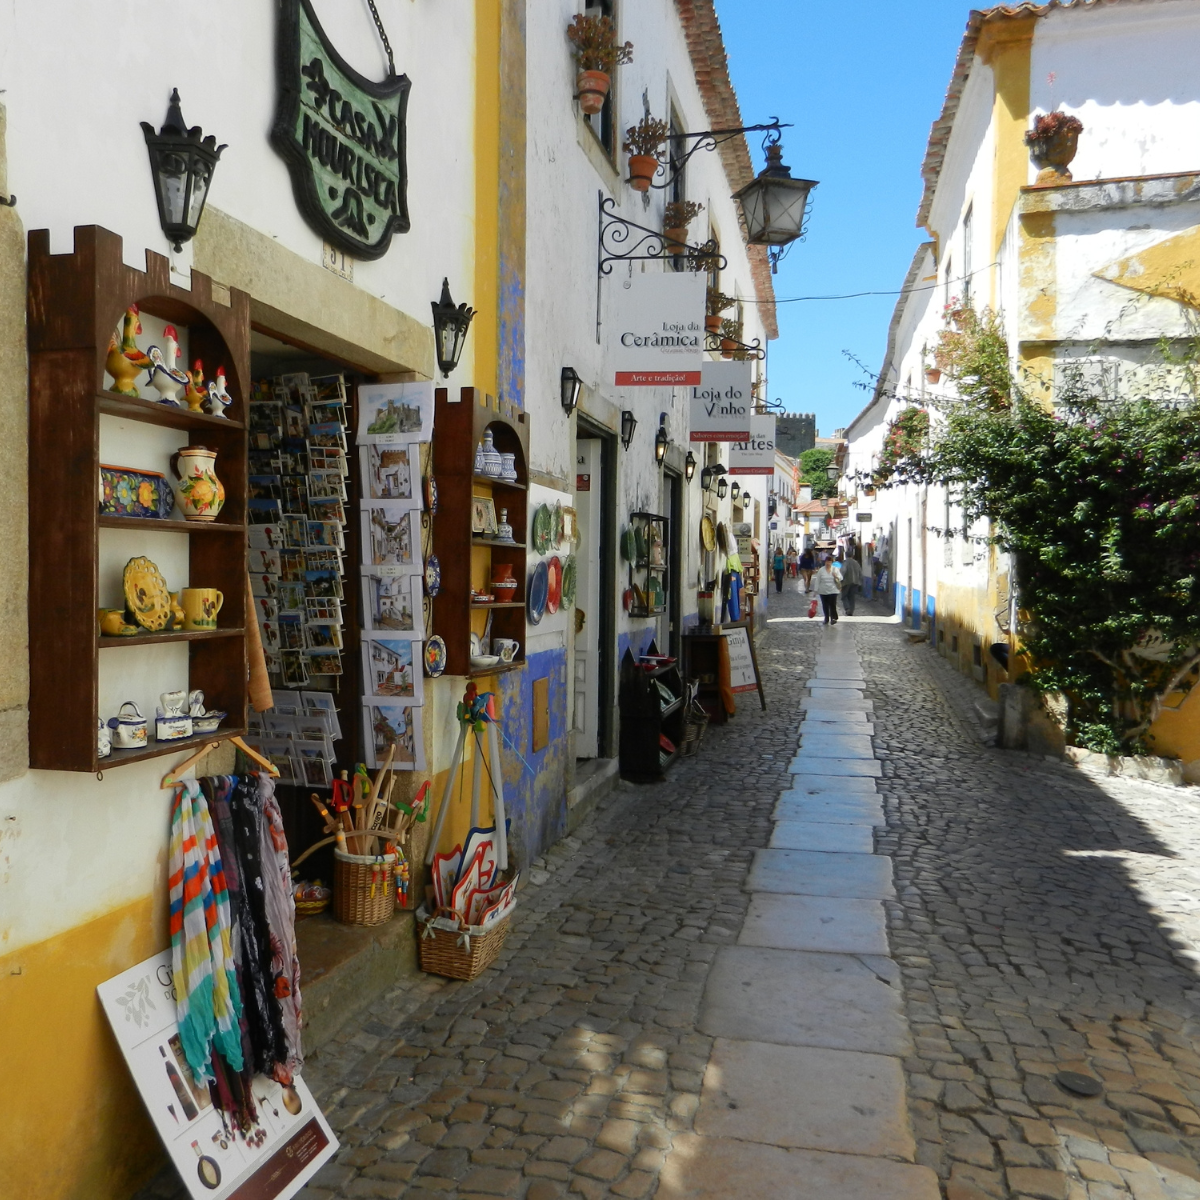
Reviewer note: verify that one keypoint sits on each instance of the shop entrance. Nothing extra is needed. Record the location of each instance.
(595, 615)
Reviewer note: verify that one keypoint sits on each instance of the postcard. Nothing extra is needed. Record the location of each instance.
(392, 473)
(392, 603)
(398, 725)
(395, 413)
(392, 669)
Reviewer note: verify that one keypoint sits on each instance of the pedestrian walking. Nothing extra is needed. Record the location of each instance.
(808, 564)
(777, 566)
(792, 570)
(852, 578)
(829, 587)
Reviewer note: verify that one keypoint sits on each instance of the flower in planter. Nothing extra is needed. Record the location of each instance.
(1053, 142)
(597, 54)
(679, 214)
(717, 302)
(1052, 124)
(644, 143)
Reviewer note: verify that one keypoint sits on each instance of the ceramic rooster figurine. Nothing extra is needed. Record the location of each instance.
(165, 377)
(125, 362)
(218, 398)
(195, 391)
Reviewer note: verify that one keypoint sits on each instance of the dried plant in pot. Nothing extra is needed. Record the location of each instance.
(597, 55)
(731, 336)
(1053, 143)
(677, 216)
(644, 143)
(715, 304)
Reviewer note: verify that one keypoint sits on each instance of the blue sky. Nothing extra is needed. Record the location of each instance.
(862, 81)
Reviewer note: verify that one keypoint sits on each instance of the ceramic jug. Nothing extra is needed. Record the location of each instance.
(199, 493)
(504, 531)
(508, 466)
(491, 457)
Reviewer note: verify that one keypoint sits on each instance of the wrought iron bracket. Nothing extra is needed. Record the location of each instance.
(622, 240)
(710, 139)
(8, 201)
(754, 350)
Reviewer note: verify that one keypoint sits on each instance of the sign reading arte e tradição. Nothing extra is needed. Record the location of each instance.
(343, 138)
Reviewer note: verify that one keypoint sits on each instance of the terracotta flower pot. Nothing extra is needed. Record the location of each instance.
(1053, 155)
(728, 346)
(592, 87)
(676, 240)
(933, 375)
(642, 168)
(712, 324)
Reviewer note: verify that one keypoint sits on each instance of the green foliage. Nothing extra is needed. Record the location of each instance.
(905, 438)
(812, 472)
(1096, 499)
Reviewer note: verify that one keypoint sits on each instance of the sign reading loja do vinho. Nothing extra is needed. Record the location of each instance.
(659, 338)
(721, 404)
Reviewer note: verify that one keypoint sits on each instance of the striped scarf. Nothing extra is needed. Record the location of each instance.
(207, 1002)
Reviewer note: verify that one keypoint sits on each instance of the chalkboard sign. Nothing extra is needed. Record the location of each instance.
(743, 665)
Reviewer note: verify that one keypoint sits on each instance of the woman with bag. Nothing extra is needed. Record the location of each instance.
(829, 588)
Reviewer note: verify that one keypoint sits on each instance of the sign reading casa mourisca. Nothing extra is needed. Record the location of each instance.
(659, 330)
(343, 138)
(719, 405)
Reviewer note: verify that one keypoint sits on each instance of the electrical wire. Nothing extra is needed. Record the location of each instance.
(856, 295)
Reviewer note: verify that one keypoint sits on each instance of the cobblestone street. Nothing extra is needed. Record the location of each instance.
(1043, 920)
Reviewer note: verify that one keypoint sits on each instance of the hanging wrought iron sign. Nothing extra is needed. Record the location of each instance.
(342, 136)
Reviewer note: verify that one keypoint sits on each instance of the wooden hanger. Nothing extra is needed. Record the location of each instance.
(171, 778)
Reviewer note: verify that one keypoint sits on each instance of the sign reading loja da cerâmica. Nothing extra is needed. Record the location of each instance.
(659, 338)
(720, 403)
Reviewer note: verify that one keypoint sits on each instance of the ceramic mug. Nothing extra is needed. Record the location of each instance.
(505, 647)
(200, 607)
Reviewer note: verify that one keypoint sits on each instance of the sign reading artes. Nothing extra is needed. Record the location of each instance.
(343, 138)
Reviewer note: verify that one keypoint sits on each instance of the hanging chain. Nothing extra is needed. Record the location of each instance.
(383, 37)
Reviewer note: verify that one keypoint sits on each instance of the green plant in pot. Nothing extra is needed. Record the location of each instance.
(597, 55)
(731, 336)
(715, 304)
(1053, 143)
(644, 143)
(677, 216)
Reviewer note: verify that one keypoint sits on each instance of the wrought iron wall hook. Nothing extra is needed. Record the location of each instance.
(8, 201)
(743, 350)
(710, 139)
(622, 240)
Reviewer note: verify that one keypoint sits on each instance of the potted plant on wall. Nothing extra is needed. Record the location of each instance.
(597, 55)
(715, 304)
(731, 336)
(644, 144)
(1053, 142)
(677, 216)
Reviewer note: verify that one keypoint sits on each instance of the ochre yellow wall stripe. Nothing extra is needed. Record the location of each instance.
(485, 329)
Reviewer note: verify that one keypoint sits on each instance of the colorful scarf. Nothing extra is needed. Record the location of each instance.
(207, 1001)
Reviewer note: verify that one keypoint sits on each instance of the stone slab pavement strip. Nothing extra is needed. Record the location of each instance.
(830, 836)
(833, 745)
(831, 809)
(819, 923)
(814, 784)
(817, 873)
(828, 684)
(707, 1168)
(806, 1097)
(863, 767)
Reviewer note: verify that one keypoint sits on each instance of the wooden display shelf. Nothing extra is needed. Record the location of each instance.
(499, 669)
(157, 749)
(513, 484)
(476, 540)
(154, 412)
(176, 635)
(499, 604)
(645, 719)
(154, 525)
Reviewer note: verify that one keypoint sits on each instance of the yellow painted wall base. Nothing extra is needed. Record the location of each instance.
(73, 1124)
(1176, 733)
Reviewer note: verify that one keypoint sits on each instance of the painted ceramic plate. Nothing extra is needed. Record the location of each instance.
(435, 656)
(557, 516)
(543, 529)
(146, 596)
(708, 534)
(539, 587)
(433, 575)
(568, 582)
(554, 570)
(431, 494)
(629, 545)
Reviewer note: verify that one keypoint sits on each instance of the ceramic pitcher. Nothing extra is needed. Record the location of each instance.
(198, 492)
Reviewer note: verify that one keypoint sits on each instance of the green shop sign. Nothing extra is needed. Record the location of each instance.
(343, 138)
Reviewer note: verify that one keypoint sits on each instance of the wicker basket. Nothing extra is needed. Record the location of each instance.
(364, 888)
(461, 952)
(695, 726)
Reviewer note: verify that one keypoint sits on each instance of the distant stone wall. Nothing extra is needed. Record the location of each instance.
(795, 433)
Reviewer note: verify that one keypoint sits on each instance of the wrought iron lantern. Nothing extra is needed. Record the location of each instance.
(706, 478)
(182, 162)
(722, 488)
(628, 425)
(450, 325)
(661, 440)
(570, 385)
(774, 205)
(833, 472)
(689, 466)
(735, 491)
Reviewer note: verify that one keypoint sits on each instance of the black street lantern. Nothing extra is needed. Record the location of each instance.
(689, 466)
(570, 385)
(661, 440)
(706, 478)
(832, 472)
(628, 425)
(735, 491)
(450, 325)
(182, 162)
(774, 205)
(722, 488)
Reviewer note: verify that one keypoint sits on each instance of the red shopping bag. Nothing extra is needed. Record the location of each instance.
(812, 608)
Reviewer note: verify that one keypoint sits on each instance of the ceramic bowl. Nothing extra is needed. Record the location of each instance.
(481, 662)
(208, 723)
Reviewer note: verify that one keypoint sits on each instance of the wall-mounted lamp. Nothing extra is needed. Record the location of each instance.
(570, 386)
(706, 478)
(735, 491)
(628, 425)
(722, 488)
(182, 162)
(833, 472)
(661, 440)
(450, 325)
(689, 466)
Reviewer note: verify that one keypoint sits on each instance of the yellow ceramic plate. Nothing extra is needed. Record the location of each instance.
(146, 595)
(708, 535)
